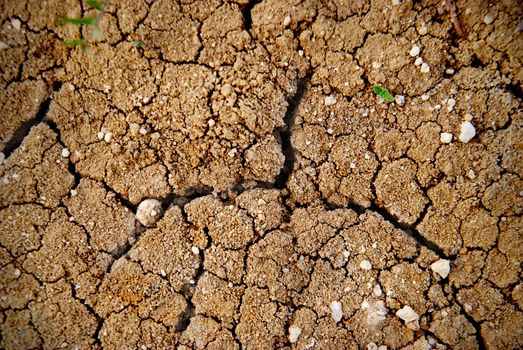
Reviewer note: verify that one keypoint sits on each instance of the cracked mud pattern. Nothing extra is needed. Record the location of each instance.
(298, 211)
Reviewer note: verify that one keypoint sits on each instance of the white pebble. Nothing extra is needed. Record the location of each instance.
(287, 21)
(100, 135)
(441, 267)
(162, 272)
(65, 152)
(143, 130)
(449, 71)
(468, 117)
(488, 19)
(445, 137)
(17, 273)
(425, 97)
(425, 68)
(2, 158)
(15, 22)
(211, 123)
(336, 310)
(372, 346)
(15, 176)
(468, 131)
(407, 314)
(145, 210)
(414, 51)
(195, 250)
(294, 333)
(418, 61)
(450, 104)
(5, 180)
(330, 100)
(365, 265)
(400, 100)
(108, 136)
(377, 290)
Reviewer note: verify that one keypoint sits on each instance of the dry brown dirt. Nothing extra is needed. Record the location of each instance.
(296, 210)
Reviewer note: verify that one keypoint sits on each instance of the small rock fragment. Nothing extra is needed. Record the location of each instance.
(414, 51)
(16, 23)
(468, 131)
(445, 137)
(450, 104)
(100, 135)
(449, 71)
(400, 100)
(17, 273)
(108, 136)
(441, 267)
(365, 265)
(211, 123)
(377, 291)
(336, 310)
(407, 314)
(195, 250)
(418, 61)
(148, 212)
(2, 158)
(294, 333)
(65, 152)
(425, 68)
(330, 100)
(488, 19)
(287, 21)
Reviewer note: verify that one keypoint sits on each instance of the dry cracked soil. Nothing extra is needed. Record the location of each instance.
(287, 206)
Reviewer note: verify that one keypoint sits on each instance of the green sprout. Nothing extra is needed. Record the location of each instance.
(383, 93)
(91, 21)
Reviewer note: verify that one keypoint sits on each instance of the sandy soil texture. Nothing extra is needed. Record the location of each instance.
(219, 174)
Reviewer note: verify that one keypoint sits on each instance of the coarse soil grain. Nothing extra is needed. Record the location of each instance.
(288, 207)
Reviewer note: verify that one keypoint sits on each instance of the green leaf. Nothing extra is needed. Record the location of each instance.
(78, 21)
(74, 43)
(383, 93)
(95, 4)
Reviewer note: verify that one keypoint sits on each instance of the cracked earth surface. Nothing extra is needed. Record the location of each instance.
(298, 211)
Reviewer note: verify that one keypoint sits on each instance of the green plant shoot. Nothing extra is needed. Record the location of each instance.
(95, 4)
(383, 93)
(78, 21)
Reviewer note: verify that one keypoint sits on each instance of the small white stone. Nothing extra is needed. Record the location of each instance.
(382, 347)
(407, 314)
(488, 19)
(300, 53)
(294, 333)
(108, 136)
(17, 273)
(287, 21)
(468, 117)
(65, 152)
(414, 51)
(162, 272)
(377, 290)
(2, 158)
(145, 210)
(467, 132)
(418, 61)
(449, 71)
(450, 104)
(365, 265)
(445, 137)
(336, 311)
(330, 131)
(143, 130)
(425, 97)
(372, 346)
(74, 193)
(16, 23)
(5, 180)
(195, 250)
(211, 123)
(15, 176)
(441, 267)
(330, 100)
(400, 100)
(100, 135)
(425, 68)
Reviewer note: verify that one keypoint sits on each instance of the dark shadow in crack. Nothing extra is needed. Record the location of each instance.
(246, 11)
(285, 133)
(24, 129)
